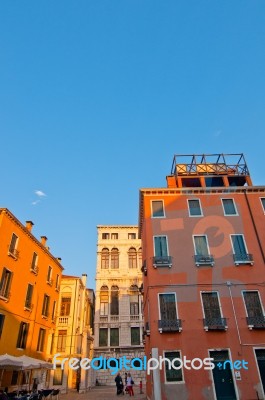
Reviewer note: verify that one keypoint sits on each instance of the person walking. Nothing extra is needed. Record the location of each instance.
(119, 384)
(130, 384)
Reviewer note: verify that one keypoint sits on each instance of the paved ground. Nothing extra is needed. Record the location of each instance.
(102, 393)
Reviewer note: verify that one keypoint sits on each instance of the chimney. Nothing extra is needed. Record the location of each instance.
(59, 259)
(43, 240)
(29, 225)
(84, 279)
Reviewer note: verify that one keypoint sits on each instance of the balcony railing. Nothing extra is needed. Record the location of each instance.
(243, 258)
(13, 253)
(206, 259)
(134, 317)
(63, 320)
(114, 318)
(162, 261)
(169, 325)
(215, 324)
(256, 322)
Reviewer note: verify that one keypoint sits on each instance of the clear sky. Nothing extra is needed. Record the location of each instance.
(96, 96)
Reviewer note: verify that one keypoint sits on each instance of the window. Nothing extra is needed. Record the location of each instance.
(255, 313)
(140, 256)
(58, 375)
(13, 246)
(161, 246)
(114, 336)
(104, 300)
(167, 306)
(53, 310)
(14, 379)
(57, 282)
(52, 343)
(61, 344)
(22, 335)
(103, 337)
(114, 258)
(114, 236)
(135, 336)
(131, 236)
(45, 306)
(260, 356)
(65, 306)
(28, 301)
(105, 236)
(202, 256)
(262, 199)
(41, 339)
(134, 304)
(105, 258)
(173, 375)
(158, 209)
(34, 262)
(5, 283)
(132, 254)
(194, 208)
(114, 304)
(49, 275)
(25, 377)
(229, 207)
(2, 320)
(241, 255)
(212, 311)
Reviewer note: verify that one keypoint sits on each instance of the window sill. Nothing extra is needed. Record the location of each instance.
(12, 255)
(6, 299)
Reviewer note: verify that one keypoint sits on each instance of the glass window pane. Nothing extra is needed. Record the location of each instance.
(173, 375)
(229, 207)
(167, 304)
(157, 209)
(238, 244)
(201, 245)
(161, 246)
(194, 207)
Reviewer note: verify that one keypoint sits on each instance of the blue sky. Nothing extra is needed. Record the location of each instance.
(97, 96)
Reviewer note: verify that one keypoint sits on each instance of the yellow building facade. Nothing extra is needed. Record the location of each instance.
(73, 334)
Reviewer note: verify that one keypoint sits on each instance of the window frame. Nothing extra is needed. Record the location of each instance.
(45, 305)
(107, 341)
(262, 205)
(181, 369)
(197, 215)
(165, 293)
(155, 236)
(114, 258)
(28, 301)
(152, 210)
(218, 298)
(41, 340)
(12, 251)
(105, 236)
(244, 242)
(2, 321)
(133, 234)
(234, 204)
(6, 281)
(114, 236)
(111, 330)
(132, 258)
(61, 341)
(60, 372)
(194, 244)
(22, 335)
(261, 304)
(139, 330)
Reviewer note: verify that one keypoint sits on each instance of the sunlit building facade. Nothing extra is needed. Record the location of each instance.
(203, 242)
(118, 310)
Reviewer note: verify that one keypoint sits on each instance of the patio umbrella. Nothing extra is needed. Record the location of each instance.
(34, 363)
(10, 362)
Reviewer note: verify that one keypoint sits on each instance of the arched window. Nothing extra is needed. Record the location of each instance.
(105, 258)
(114, 258)
(134, 300)
(132, 258)
(104, 300)
(114, 302)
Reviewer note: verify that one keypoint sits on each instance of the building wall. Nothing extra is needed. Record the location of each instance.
(128, 280)
(13, 310)
(72, 336)
(187, 281)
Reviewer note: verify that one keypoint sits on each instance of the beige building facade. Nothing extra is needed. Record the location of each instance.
(118, 306)
(73, 334)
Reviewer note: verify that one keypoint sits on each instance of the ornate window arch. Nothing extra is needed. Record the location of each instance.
(132, 255)
(114, 258)
(105, 258)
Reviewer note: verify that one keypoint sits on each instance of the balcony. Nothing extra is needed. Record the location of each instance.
(114, 318)
(135, 318)
(243, 258)
(162, 261)
(63, 320)
(13, 253)
(34, 269)
(169, 325)
(256, 322)
(103, 318)
(215, 324)
(206, 259)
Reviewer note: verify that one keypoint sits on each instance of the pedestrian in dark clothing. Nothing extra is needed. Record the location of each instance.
(3, 396)
(119, 384)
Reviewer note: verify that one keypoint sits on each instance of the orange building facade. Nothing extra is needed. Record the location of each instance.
(29, 290)
(203, 241)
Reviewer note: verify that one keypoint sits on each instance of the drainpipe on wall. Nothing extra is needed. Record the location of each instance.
(156, 377)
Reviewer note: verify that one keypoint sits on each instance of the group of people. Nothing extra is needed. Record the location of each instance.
(128, 384)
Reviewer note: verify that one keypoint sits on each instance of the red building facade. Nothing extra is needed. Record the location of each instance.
(203, 241)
